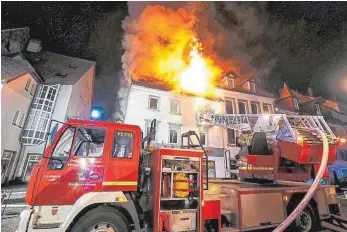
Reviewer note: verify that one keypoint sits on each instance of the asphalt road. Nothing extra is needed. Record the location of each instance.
(16, 203)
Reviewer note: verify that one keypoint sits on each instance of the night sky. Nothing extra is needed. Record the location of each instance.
(311, 50)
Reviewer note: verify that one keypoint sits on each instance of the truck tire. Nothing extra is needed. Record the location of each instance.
(103, 219)
(306, 221)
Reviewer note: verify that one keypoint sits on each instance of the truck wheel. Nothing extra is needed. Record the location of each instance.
(306, 221)
(102, 219)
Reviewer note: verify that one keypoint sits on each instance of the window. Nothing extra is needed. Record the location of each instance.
(62, 150)
(230, 82)
(229, 107)
(242, 107)
(266, 109)
(296, 103)
(89, 142)
(318, 112)
(254, 107)
(174, 106)
(21, 121)
(231, 137)
(27, 86)
(123, 144)
(32, 90)
(202, 138)
(15, 118)
(174, 133)
(153, 103)
(39, 115)
(253, 87)
(246, 85)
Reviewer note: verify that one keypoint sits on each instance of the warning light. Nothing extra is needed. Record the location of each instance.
(300, 140)
(96, 114)
(342, 140)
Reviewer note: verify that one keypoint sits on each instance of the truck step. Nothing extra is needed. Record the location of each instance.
(47, 226)
(230, 229)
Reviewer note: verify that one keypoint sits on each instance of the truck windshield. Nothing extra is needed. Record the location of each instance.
(89, 142)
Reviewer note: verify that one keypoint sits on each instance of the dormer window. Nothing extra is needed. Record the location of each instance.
(247, 85)
(253, 87)
(230, 83)
(296, 103)
(317, 107)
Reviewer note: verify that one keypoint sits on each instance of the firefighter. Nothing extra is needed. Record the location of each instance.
(244, 140)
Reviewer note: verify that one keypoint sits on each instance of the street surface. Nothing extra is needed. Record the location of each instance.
(16, 203)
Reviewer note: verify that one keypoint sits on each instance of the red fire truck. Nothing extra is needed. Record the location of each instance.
(103, 176)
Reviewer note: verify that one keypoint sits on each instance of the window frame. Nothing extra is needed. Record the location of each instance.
(228, 142)
(296, 103)
(55, 146)
(113, 141)
(246, 106)
(248, 85)
(317, 109)
(15, 117)
(205, 135)
(257, 106)
(230, 80)
(178, 111)
(75, 138)
(27, 85)
(232, 105)
(177, 128)
(269, 108)
(253, 87)
(149, 102)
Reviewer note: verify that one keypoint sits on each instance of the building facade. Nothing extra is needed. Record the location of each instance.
(176, 114)
(18, 86)
(66, 93)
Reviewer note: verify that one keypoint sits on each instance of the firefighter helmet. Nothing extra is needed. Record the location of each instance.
(245, 127)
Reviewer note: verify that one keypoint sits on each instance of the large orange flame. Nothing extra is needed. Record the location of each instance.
(162, 46)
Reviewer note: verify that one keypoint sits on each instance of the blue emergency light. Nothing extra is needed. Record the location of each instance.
(96, 114)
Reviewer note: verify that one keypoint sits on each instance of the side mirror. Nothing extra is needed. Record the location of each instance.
(52, 134)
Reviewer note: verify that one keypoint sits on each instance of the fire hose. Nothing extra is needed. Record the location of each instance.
(313, 187)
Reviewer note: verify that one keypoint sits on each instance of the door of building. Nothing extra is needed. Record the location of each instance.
(32, 160)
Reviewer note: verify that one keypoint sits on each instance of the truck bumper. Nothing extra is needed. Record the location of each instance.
(24, 220)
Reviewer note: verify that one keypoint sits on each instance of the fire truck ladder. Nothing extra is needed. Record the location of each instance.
(281, 126)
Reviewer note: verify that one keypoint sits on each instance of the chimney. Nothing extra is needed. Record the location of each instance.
(310, 91)
(34, 46)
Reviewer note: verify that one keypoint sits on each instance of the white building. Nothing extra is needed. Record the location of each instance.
(66, 93)
(176, 114)
(18, 84)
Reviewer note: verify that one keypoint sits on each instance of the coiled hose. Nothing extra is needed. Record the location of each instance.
(313, 187)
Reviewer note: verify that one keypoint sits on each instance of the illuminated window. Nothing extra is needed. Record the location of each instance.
(231, 82)
(39, 115)
(246, 85)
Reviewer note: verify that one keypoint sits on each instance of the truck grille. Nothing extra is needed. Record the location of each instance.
(47, 226)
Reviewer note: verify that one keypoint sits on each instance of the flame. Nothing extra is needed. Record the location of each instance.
(198, 76)
(161, 46)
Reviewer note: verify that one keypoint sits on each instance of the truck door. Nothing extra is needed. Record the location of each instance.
(81, 151)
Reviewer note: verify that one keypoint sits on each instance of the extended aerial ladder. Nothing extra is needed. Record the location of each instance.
(293, 148)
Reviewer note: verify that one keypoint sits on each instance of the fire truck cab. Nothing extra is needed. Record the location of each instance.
(95, 177)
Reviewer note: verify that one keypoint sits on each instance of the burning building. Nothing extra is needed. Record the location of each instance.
(174, 65)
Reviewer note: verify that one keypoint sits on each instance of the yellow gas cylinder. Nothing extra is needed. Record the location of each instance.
(181, 183)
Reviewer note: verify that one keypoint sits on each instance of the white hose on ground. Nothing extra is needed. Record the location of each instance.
(312, 189)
